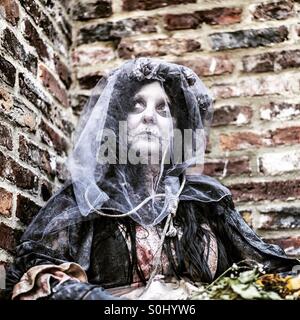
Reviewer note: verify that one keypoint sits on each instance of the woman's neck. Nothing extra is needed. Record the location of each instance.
(151, 175)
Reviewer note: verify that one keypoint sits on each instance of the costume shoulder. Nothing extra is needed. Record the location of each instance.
(247, 244)
(61, 202)
(204, 188)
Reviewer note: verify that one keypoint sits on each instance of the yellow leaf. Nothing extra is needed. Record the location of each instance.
(293, 284)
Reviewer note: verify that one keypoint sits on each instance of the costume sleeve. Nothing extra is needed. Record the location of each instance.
(51, 264)
(41, 273)
(247, 244)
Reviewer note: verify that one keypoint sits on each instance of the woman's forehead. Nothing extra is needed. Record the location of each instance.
(153, 90)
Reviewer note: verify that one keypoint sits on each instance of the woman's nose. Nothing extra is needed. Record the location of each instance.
(149, 116)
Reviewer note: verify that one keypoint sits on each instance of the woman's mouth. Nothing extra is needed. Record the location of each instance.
(148, 134)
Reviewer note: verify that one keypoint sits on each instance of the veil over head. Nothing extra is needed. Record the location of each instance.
(114, 186)
(119, 185)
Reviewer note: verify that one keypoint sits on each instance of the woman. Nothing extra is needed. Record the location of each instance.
(134, 207)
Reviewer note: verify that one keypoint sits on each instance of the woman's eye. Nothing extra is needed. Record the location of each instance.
(138, 106)
(162, 110)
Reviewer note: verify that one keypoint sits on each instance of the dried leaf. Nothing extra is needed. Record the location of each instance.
(248, 276)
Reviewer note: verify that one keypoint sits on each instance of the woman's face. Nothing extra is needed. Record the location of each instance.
(150, 122)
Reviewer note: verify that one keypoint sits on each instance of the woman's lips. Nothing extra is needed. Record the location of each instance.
(148, 134)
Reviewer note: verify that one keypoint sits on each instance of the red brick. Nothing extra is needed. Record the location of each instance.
(36, 96)
(240, 140)
(7, 72)
(6, 100)
(36, 157)
(288, 135)
(279, 218)
(279, 111)
(8, 237)
(235, 115)
(219, 16)
(238, 166)
(250, 38)
(271, 190)
(130, 5)
(128, 48)
(291, 245)
(234, 166)
(16, 111)
(6, 198)
(271, 163)
(92, 10)
(32, 9)
(246, 139)
(278, 10)
(250, 87)
(17, 175)
(32, 36)
(15, 49)
(214, 168)
(209, 66)
(180, 21)
(52, 138)
(63, 71)
(271, 61)
(116, 30)
(5, 137)
(53, 86)
(84, 56)
(26, 209)
(10, 10)
(139, 26)
(25, 117)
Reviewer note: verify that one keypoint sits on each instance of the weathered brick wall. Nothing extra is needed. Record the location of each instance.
(248, 53)
(36, 118)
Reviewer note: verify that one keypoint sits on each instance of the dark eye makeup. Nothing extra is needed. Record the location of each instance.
(162, 109)
(140, 105)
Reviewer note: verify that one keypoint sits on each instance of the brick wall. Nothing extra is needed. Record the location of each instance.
(36, 118)
(247, 52)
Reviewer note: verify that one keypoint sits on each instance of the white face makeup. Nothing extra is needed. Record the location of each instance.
(150, 122)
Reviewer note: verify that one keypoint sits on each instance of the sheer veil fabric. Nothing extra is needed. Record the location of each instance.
(115, 186)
